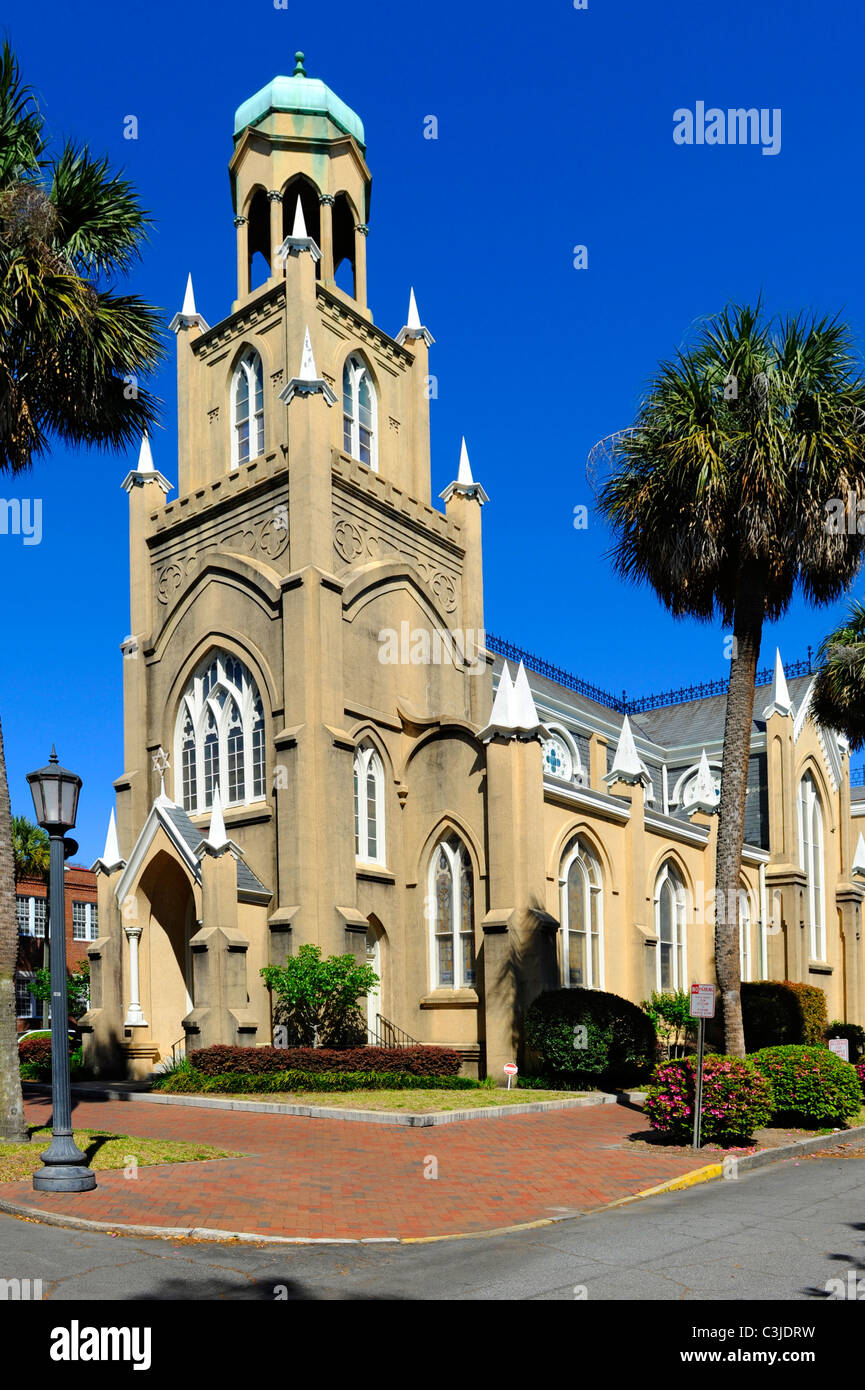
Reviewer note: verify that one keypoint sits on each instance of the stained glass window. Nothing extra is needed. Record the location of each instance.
(220, 736)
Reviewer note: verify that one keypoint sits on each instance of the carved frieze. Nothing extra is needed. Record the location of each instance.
(264, 535)
(357, 539)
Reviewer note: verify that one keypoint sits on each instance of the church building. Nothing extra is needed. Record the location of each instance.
(321, 745)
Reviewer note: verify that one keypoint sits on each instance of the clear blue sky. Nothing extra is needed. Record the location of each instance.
(555, 129)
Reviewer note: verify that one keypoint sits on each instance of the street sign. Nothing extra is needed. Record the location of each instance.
(510, 1069)
(702, 1001)
(841, 1048)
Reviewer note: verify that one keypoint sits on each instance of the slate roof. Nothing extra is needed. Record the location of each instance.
(247, 882)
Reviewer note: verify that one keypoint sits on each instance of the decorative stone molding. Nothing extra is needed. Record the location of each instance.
(353, 541)
(266, 536)
(213, 414)
(394, 424)
(326, 199)
(274, 195)
(239, 221)
(362, 228)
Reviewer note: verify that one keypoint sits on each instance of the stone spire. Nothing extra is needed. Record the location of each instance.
(145, 471)
(300, 240)
(110, 858)
(307, 382)
(702, 796)
(189, 316)
(217, 842)
(779, 701)
(626, 763)
(414, 328)
(514, 714)
(465, 485)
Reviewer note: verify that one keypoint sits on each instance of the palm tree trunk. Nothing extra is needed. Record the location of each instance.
(13, 1127)
(747, 631)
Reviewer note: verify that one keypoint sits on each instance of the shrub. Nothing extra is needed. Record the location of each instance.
(34, 1055)
(671, 1016)
(860, 1072)
(810, 1085)
(854, 1035)
(257, 1061)
(590, 1036)
(780, 1012)
(317, 1000)
(185, 1081)
(737, 1099)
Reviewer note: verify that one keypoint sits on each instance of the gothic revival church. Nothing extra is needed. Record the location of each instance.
(321, 747)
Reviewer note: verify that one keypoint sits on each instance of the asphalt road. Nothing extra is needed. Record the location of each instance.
(776, 1234)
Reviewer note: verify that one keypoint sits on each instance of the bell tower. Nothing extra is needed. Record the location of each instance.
(299, 170)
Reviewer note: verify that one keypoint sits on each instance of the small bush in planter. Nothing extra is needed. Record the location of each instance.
(590, 1036)
(737, 1100)
(853, 1033)
(811, 1085)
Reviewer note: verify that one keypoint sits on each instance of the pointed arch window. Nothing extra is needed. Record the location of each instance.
(219, 735)
(247, 409)
(581, 887)
(359, 412)
(811, 858)
(451, 901)
(670, 930)
(369, 839)
(744, 935)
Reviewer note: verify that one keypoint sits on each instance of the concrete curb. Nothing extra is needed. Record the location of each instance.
(323, 1112)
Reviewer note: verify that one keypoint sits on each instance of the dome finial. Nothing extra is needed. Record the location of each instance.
(300, 70)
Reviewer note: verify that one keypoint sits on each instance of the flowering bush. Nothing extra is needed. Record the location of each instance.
(810, 1084)
(737, 1099)
(860, 1071)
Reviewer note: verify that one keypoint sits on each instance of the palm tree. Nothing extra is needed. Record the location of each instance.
(30, 848)
(71, 353)
(838, 699)
(718, 500)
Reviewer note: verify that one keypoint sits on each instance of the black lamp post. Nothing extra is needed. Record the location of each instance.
(55, 797)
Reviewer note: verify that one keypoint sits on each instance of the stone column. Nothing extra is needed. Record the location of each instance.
(134, 1016)
(274, 197)
(361, 232)
(242, 257)
(325, 202)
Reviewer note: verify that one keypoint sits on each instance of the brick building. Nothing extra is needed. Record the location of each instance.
(82, 926)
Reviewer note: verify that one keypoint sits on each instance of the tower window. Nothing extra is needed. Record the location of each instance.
(359, 413)
(369, 842)
(582, 919)
(219, 736)
(247, 408)
(451, 899)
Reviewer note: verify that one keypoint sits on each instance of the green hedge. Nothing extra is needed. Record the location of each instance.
(811, 1085)
(778, 1013)
(854, 1035)
(186, 1080)
(590, 1037)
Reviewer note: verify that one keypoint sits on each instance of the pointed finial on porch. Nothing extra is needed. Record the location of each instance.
(779, 695)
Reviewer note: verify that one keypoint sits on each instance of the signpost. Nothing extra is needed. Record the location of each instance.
(510, 1070)
(702, 1007)
(841, 1048)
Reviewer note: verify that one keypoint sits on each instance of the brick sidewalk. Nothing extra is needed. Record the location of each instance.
(327, 1178)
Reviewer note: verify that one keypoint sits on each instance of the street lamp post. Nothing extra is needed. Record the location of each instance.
(55, 797)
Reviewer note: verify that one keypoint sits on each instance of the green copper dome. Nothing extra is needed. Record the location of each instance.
(305, 95)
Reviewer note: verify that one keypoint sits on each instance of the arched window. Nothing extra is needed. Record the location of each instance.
(247, 409)
(670, 930)
(811, 860)
(359, 413)
(219, 735)
(582, 918)
(560, 757)
(744, 935)
(451, 899)
(369, 841)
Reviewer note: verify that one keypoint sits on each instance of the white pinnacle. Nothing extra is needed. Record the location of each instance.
(111, 852)
(464, 476)
(414, 322)
(189, 310)
(703, 790)
(145, 457)
(859, 856)
(779, 695)
(626, 761)
(524, 716)
(307, 361)
(501, 714)
(298, 231)
(216, 836)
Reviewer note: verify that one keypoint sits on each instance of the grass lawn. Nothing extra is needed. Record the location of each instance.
(104, 1150)
(412, 1102)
